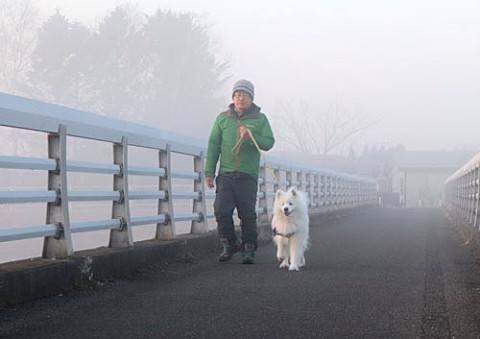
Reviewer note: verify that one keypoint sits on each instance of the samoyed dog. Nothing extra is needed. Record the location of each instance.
(290, 226)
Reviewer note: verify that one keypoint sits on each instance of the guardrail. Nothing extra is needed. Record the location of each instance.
(462, 192)
(327, 189)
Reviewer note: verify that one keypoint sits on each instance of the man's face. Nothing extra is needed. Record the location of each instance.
(242, 101)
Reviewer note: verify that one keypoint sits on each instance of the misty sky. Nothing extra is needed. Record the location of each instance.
(412, 66)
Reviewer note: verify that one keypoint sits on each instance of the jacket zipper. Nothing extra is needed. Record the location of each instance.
(236, 156)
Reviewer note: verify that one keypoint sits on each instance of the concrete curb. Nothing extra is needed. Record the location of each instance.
(26, 280)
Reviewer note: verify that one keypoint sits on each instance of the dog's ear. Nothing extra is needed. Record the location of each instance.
(293, 190)
(279, 193)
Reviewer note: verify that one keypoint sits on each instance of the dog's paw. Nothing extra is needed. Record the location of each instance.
(284, 264)
(293, 268)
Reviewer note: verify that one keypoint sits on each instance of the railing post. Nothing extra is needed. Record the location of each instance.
(167, 229)
(59, 246)
(263, 218)
(121, 209)
(467, 196)
(329, 191)
(288, 176)
(464, 197)
(199, 205)
(347, 192)
(340, 192)
(316, 191)
(335, 191)
(361, 194)
(350, 193)
(308, 188)
(472, 196)
(277, 185)
(458, 211)
(476, 194)
(299, 178)
(322, 189)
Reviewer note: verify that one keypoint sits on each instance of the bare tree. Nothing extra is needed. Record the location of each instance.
(319, 131)
(18, 24)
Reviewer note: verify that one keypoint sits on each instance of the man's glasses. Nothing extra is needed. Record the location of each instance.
(241, 94)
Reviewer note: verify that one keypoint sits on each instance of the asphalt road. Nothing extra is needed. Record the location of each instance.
(387, 273)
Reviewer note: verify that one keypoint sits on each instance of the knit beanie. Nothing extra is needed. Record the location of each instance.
(244, 85)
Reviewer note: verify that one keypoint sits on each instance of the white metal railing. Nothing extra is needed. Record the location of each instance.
(328, 190)
(462, 192)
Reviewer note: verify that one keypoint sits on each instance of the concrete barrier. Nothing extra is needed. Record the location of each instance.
(27, 280)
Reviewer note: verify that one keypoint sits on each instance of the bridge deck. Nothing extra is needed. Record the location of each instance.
(390, 273)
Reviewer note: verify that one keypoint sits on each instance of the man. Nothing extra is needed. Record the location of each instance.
(230, 141)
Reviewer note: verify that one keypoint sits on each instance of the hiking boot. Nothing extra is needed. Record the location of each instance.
(248, 254)
(229, 249)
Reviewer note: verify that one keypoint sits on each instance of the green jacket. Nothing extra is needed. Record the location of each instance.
(224, 136)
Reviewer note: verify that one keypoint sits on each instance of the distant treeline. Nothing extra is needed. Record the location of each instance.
(158, 69)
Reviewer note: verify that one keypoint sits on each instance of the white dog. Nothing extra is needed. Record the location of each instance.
(290, 225)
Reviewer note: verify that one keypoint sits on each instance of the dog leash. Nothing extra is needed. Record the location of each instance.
(239, 143)
(236, 149)
(264, 158)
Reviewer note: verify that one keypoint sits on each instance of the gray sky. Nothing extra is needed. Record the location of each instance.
(411, 66)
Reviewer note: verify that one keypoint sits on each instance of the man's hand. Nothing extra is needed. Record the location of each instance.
(244, 133)
(209, 181)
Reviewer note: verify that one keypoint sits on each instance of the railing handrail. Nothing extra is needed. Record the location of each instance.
(469, 165)
(462, 192)
(45, 117)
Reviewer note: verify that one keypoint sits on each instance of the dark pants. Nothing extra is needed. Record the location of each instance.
(236, 190)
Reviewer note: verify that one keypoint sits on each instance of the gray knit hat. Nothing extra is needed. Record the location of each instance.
(244, 85)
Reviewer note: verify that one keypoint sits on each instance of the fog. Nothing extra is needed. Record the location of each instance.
(401, 75)
(411, 68)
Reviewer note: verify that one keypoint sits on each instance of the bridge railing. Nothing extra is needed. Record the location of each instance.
(176, 193)
(462, 192)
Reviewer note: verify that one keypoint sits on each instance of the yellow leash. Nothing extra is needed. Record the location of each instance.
(236, 149)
